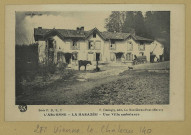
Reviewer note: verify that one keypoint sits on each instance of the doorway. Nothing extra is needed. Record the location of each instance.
(119, 56)
(97, 56)
(68, 57)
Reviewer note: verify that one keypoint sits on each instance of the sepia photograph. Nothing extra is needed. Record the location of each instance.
(95, 67)
(99, 62)
(92, 57)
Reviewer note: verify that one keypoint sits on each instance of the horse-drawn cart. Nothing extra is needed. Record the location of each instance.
(139, 60)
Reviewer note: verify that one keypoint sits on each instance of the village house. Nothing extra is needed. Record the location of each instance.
(69, 46)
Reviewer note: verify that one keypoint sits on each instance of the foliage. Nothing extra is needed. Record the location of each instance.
(65, 73)
(158, 27)
(46, 70)
(114, 22)
(134, 21)
(154, 25)
(26, 60)
(26, 64)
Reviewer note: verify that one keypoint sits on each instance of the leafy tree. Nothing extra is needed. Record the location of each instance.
(129, 23)
(154, 25)
(134, 23)
(139, 24)
(114, 22)
(158, 27)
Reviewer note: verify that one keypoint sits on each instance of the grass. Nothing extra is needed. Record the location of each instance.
(138, 87)
(132, 88)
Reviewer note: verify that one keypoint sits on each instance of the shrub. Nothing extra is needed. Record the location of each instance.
(67, 73)
(26, 64)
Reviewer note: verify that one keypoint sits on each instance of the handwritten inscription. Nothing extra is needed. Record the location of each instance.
(40, 129)
(56, 130)
(145, 131)
(106, 128)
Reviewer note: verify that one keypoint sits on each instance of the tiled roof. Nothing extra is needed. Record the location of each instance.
(68, 33)
(115, 35)
(141, 38)
(41, 31)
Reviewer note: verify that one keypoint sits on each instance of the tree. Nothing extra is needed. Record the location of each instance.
(114, 22)
(154, 25)
(139, 24)
(129, 23)
(158, 27)
(134, 23)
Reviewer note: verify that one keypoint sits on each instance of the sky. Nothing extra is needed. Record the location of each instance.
(25, 22)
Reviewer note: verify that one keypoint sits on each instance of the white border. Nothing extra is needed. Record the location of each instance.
(174, 111)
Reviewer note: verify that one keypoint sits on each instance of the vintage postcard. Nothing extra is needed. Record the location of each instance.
(117, 62)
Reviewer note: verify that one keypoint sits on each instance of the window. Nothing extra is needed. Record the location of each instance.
(60, 57)
(74, 56)
(98, 45)
(129, 46)
(141, 53)
(141, 47)
(94, 35)
(129, 57)
(50, 43)
(98, 57)
(91, 45)
(94, 45)
(112, 56)
(75, 45)
(112, 45)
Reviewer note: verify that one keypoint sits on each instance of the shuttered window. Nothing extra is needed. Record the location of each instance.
(74, 56)
(75, 45)
(141, 47)
(129, 56)
(91, 45)
(112, 45)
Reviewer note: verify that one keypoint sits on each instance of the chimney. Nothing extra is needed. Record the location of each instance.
(82, 28)
(78, 30)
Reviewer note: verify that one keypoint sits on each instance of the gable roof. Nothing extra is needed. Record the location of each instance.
(94, 30)
(40, 34)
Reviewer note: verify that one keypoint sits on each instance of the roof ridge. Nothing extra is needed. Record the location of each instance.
(117, 32)
(106, 35)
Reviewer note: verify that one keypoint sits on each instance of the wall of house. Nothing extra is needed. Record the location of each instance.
(147, 51)
(121, 46)
(65, 46)
(42, 51)
(157, 48)
(106, 52)
(94, 51)
(82, 52)
(136, 51)
(62, 46)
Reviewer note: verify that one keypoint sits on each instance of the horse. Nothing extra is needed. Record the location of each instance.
(83, 63)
